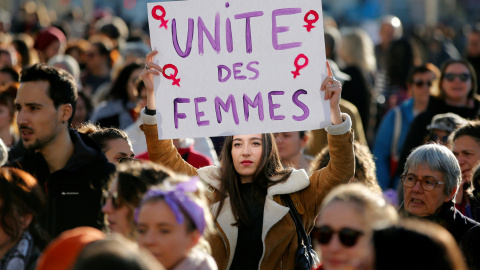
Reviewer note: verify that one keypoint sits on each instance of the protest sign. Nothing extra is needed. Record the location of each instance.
(238, 67)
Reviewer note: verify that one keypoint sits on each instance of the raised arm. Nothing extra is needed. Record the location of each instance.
(160, 151)
(341, 167)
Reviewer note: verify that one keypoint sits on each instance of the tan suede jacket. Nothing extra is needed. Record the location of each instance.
(278, 233)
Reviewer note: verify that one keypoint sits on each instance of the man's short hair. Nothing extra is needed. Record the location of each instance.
(62, 90)
(417, 70)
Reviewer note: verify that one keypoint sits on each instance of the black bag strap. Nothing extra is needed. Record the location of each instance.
(301, 233)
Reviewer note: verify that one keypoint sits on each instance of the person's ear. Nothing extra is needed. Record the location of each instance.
(26, 220)
(304, 140)
(194, 238)
(451, 195)
(66, 111)
(409, 90)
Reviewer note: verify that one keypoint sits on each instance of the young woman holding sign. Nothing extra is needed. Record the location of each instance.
(255, 230)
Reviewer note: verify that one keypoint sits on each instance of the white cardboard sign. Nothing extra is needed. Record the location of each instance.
(238, 66)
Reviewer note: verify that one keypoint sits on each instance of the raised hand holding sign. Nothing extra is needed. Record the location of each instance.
(235, 63)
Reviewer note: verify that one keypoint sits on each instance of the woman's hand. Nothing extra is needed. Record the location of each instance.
(147, 77)
(333, 90)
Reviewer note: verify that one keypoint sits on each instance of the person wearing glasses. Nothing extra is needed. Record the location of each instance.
(125, 192)
(431, 179)
(391, 133)
(442, 126)
(255, 229)
(466, 148)
(347, 218)
(114, 142)
(457, 94)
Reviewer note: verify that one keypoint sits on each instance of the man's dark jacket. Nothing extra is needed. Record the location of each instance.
(73, 192)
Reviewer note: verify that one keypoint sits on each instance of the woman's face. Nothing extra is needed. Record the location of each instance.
(117, 149)
(467, 151)
(160, 233)
(80, 112)
(289, 144)
(457, 83)
(5, 117)
(115, 214)
(336, 217)
(132, 91)
(247, 155)
(420, 202)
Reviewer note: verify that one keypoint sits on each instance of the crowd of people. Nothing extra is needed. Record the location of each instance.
(391, 183)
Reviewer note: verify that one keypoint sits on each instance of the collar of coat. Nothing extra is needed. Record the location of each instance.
(272, 213)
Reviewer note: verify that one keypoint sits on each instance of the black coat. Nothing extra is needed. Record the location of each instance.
(73, 192)
(358, 91)
(451, 219)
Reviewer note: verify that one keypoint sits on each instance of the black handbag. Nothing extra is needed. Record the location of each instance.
(305, 257)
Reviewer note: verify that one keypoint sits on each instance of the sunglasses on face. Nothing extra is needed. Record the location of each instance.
(420, 83)
(461, 76)
(348, 237)
(110, 195)
(434, 137)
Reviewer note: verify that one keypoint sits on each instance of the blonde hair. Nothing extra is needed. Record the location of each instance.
(357, 49)
(372, 206)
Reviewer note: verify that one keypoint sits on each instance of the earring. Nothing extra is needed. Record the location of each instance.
(63, 121)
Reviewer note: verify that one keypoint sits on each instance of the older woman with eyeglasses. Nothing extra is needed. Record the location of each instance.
(347, 218)
(430, 181)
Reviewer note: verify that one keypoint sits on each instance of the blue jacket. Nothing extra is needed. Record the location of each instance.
(384, 139)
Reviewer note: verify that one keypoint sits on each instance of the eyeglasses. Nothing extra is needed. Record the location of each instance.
(420, 83)
(127, 160)
(113, 195)
(348, 237)
(427, 183)
(434, 137)
(461, 76)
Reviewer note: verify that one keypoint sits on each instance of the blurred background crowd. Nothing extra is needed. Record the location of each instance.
(410, 73)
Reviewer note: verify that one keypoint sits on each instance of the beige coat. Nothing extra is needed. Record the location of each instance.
(278, 233)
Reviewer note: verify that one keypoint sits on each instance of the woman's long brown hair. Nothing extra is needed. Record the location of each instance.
(269, 172)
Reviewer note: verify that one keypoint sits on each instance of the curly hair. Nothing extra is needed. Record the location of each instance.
(364, 165)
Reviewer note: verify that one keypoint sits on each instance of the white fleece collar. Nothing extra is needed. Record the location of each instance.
(272, 212)
(297, 181)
